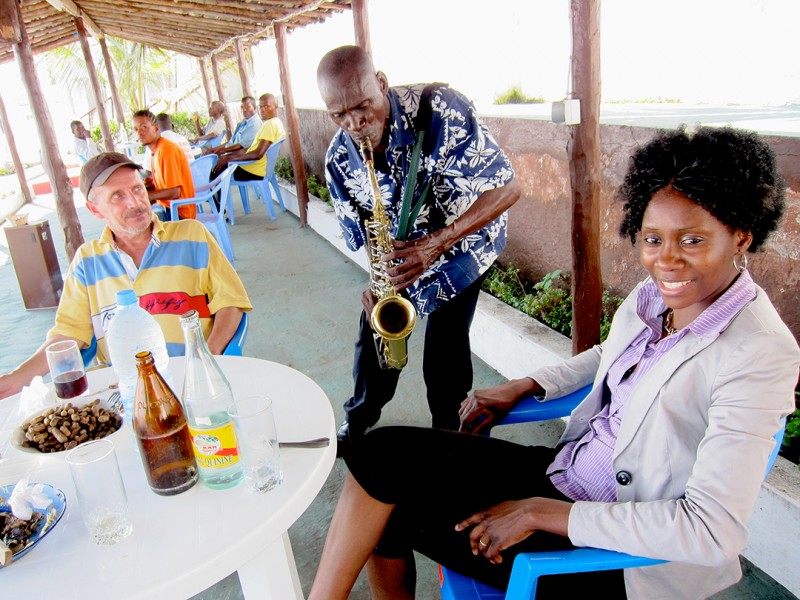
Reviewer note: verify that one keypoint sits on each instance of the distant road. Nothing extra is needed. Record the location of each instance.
(773, 120)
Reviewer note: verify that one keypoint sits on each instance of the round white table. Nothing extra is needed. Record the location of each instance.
(181, 544)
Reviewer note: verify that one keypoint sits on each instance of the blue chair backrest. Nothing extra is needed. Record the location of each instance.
(272, 157)
(201, 169)
(234, 347)
(214, 142)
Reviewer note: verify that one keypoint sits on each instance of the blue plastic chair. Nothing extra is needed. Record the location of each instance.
(260, 185)
(234, 347)
(201, 169)
(212, 143)
(213, 220)
(529, 566)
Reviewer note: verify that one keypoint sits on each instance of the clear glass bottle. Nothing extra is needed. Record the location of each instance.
(206, 395)
(161, 432)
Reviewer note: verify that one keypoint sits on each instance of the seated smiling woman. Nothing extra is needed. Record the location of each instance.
(665, 456)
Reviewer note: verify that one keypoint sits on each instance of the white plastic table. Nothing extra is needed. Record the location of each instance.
(181, 544)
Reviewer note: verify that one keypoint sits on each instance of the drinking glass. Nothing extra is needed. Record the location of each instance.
(66, 369)
(258, 442)
(100, 491)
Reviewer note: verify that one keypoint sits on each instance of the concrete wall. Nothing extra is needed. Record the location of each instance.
(540, 222)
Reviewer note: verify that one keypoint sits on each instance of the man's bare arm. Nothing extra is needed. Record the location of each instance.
(417, 255)
(11, 383)
(226, 320)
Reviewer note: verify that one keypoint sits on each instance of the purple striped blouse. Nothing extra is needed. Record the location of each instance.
(583, 469)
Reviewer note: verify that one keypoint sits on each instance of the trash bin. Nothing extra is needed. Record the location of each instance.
(36, 264)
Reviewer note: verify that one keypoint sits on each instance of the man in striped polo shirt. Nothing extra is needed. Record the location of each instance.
(173, 267)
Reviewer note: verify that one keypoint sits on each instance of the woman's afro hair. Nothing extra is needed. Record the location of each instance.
(731, 173)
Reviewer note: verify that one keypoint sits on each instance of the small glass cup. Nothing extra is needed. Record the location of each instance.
(258, 442)
(66, 369)
(100, 491)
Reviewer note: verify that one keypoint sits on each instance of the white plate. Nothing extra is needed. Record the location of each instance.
(18, 436)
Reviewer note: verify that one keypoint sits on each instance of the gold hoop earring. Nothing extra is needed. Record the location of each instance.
(740, 267)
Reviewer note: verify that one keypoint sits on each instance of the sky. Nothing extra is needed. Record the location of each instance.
(709, 51)
(697, 51)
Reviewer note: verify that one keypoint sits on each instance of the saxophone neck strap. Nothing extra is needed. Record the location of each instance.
(409, 209)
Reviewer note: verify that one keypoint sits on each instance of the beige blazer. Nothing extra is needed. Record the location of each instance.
(694, 442)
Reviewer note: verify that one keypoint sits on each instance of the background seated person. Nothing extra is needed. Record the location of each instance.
(172, 267)
(271, 131)
(164, 123)
(85, 148)
(172, 176)
(665, 456)
(215, 126)
(245, 132)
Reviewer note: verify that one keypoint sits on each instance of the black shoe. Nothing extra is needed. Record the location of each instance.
(345, 437)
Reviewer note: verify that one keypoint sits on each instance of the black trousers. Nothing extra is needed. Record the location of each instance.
(446, 366)
(437, 478)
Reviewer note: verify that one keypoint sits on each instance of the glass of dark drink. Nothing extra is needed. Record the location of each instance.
(66, 369)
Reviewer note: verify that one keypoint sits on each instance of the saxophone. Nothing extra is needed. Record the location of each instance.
(393, 317)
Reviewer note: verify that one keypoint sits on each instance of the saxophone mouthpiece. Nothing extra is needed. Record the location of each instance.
(366, 149)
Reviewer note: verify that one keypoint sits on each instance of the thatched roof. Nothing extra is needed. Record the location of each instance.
(193, 27)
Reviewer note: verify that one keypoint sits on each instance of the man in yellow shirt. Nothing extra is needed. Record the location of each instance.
(270, 132)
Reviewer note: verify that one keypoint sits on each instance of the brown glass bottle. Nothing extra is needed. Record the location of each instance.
(161, 431)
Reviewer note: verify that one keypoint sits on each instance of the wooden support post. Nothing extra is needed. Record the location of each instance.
(244, 74)
(13, 31)
(112, 83)
(298, 165)
(361, 24)
(584, 172)
(206, 82)
(108, 140)
(220, 91)
(12, 148)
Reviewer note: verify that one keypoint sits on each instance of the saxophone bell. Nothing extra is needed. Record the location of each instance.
(393, 319)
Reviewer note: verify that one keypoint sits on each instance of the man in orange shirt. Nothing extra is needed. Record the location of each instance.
(172, 177)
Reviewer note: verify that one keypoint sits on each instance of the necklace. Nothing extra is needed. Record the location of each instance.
(668, 323)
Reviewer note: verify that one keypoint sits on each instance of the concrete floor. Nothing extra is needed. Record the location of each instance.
(306, 306)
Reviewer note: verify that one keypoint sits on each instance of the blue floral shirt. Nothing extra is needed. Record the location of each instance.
(462, 160)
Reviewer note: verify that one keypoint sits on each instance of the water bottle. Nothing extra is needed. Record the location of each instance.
(134, 330)
(206, 396)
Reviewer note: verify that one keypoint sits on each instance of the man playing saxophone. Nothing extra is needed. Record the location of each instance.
(445, 187)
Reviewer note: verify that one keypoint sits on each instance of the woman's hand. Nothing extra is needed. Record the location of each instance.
(508, 523)
(483, 407)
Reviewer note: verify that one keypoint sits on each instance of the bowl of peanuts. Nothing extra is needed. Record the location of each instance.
(67, 424)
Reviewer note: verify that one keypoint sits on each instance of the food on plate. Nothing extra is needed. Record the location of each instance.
(65, 426)
(15, 534)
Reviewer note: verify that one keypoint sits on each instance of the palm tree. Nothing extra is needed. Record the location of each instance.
(141, 71)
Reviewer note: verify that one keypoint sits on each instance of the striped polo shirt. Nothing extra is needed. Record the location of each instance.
(183, 268)
(583, 469)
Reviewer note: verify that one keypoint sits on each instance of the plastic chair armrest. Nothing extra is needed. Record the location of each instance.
(528, 567)
(533, 409)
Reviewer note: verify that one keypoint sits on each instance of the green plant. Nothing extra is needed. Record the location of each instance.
(315, 188)
(97, 132)
(514, 95)
(548, 300)
(283, 169)
(182, 123)
(790, 447)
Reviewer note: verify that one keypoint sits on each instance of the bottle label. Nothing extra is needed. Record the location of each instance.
(215, 448)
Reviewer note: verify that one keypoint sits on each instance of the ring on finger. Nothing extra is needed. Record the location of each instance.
(484, 544)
